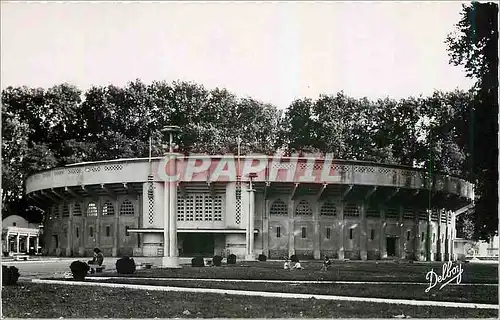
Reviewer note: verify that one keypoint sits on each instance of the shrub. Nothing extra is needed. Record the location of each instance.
(79, 270)
(262, 257)
(217, 261)
(197, 262)
(231, 259)
(294, 258)
(9, 275)
(125, 265)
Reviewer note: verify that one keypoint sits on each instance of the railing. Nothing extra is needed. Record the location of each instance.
(268, 169)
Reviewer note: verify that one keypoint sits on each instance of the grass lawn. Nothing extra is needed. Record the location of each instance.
(341, 271)
(475, 294)
(32, 300)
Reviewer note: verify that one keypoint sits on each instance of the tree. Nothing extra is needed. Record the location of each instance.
(299, 126)
(474, 45)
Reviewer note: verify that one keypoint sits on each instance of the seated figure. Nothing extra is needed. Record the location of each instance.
(326, 264)
(297, 266)
(286, 266)
(97, 260)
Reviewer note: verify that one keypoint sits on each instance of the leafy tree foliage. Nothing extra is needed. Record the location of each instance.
(474, 45)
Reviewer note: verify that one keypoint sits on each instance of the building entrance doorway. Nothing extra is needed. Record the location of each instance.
(194, 244)
(391, 246)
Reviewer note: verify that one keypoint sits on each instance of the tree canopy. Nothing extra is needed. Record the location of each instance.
(474, 45)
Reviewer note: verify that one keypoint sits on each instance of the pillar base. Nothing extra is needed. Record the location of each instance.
(364, 255)
(114, 252)
(341, 254)
(317, 255)
(170, 262)
(250, 257)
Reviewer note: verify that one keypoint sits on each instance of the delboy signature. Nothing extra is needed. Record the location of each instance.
(449, 273)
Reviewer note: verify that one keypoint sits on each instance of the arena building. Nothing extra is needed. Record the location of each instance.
(205, 205)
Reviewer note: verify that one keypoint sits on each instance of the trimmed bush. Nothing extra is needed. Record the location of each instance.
(197, 262)
(9, 275)
(231, 259)
(262, 257)
(125, 265)
(79, 270)
(217, 261)
(294, 258)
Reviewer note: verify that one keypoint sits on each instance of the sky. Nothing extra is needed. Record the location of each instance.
(274, 52)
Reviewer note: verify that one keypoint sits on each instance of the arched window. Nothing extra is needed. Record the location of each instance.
(65, 212)
(303, 208)
(127, 208)
(372, 212)
(279, 208)
(91, 209)
(77, 210)
(392, 213)
(55, 211)
(351, 210)
(328, 209)
(108, 209)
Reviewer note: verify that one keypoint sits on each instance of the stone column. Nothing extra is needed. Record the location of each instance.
(69, 234)
(452, 236)
(416, 236)
(291, 227)
(83, 234)
(28, 243)
(383, 248)
(428, 243)
(341, 231)
(116, 233)
(317, 233)
(97, 236)
(439, 246)
(245, 207)
(363, 236)
(17, 242)
(265, 228)
(402, 235)
(170, 250)
(251, 225)
(37, 243)
(447, 239)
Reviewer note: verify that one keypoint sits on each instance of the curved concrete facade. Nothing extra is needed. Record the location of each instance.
(306, 206)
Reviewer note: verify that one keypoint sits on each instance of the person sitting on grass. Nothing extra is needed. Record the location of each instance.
(286, 266)
(297, 266)
(98, 259)
(326, 264)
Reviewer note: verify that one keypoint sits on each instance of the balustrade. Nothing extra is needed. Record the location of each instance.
(291, 170)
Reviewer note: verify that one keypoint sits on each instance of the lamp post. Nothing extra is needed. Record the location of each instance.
(251, 218)
(238, 141)
(170, 251)
(428, 243)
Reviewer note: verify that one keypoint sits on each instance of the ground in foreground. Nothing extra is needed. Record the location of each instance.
(31, 300)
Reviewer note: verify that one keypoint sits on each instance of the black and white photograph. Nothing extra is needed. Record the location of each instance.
(249, 159)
